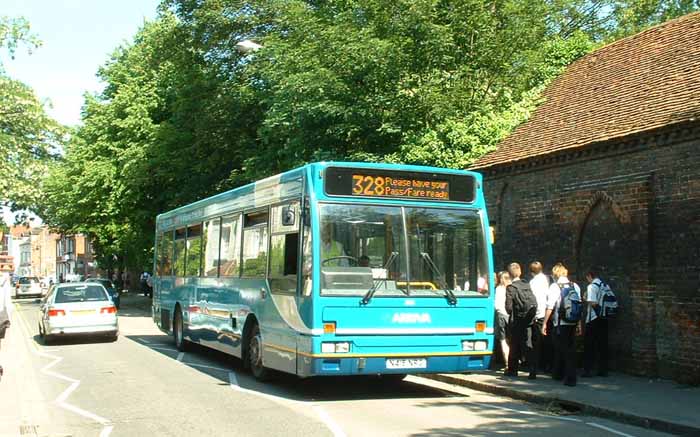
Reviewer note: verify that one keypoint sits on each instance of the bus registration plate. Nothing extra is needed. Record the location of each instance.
(406, 363)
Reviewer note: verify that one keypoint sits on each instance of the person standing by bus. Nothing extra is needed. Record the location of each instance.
(539, 284)
(502, 328)
(595, 342)
(564, 332)
(521, 304)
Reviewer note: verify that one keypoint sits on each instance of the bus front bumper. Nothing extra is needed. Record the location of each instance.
(373, 365)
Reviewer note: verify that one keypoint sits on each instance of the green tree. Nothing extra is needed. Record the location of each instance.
(28, 137)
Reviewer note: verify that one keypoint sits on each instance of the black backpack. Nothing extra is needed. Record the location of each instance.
(524, 301)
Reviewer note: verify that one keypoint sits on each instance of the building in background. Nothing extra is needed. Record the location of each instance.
(607, 173)
(43, 252)
(7, 262)
(20, 249)
(75, 259)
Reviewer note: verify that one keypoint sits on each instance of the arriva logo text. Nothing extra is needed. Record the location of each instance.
(411, 318)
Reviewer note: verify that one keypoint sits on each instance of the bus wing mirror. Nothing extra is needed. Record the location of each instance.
(288, 216)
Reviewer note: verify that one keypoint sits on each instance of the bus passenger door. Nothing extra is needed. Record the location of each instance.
(282, 308)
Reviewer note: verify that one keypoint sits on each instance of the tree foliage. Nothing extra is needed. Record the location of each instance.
(28, 136)
(184, 115)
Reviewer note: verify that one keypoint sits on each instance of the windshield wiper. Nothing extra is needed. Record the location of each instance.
(451, 298)
(375, 286)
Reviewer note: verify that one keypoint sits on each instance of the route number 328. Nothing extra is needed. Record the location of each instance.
(368, 185)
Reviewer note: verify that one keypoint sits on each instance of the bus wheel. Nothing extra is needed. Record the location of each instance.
(255, 355)
(178, 331)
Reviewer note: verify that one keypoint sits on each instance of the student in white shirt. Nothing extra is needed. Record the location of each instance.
(539, 284)
(502, 281)
(564, 332)
(595, 345)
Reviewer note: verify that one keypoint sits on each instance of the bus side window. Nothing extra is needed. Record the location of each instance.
(165, 253)
(255, 228)
(179, 255)
(284, 256)
(194, 250)
(230, 250)
(211, 238)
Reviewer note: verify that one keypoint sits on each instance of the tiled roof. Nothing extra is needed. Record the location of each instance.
(639, 83)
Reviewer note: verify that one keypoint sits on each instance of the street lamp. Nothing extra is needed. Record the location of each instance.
(247, 46)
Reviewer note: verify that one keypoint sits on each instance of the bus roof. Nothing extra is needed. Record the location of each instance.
(284, 186)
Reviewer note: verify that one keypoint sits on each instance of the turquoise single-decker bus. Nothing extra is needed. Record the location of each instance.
(333, 268)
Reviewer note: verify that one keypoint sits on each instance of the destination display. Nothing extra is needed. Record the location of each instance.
(399, 184)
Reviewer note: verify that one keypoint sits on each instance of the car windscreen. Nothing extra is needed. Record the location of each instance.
(81, 293)
(27, 280)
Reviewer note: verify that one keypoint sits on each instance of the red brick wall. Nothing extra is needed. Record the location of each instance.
(632, 207)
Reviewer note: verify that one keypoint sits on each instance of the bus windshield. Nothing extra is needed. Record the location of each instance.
(402, 251)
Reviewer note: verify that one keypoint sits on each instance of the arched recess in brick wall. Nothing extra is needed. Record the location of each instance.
(505, 227)
(603, 242)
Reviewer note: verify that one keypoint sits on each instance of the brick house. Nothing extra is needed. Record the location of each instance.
(607, 172)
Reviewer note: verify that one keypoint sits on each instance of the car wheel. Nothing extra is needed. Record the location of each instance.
(178, 332)
(255, 355)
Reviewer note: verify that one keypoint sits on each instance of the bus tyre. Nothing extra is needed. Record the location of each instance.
(255, 355)
(178, 332)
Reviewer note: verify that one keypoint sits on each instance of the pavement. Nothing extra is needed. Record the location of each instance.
(649, 403)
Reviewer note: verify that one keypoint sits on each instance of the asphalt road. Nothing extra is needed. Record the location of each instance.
(141, 386)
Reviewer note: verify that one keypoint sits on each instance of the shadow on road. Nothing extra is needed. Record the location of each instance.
(319, 389)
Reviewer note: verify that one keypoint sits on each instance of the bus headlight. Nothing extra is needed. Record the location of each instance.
(472, 345)
(335, 348)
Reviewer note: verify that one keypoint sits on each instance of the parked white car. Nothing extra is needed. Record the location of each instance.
(78, 308)
(28, 286)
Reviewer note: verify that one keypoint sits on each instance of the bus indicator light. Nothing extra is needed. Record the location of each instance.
(329, 328)
(480, 326)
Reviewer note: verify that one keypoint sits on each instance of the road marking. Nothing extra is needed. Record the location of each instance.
(143, 340)
(325, 418)
(330, 423)
(164, 348)
(204, 366)
(609, 429)
(180, 356)
(62, 398)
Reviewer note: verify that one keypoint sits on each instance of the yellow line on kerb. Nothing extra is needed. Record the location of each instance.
(412, 354)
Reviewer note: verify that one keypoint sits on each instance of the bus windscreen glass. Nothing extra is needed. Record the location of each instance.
(399, 184)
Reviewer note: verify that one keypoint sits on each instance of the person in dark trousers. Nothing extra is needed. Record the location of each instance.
(521, 304)
(564, 332)
(595, 344)
(539, 284)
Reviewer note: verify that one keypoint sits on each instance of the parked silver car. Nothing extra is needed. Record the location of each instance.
(77, 308)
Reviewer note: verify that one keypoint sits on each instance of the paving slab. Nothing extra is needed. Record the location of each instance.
(651, 403)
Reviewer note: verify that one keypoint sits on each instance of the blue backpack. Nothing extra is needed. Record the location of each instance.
(570, 305)
(607, 301)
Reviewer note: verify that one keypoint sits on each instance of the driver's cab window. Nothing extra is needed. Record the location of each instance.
(362, 247)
